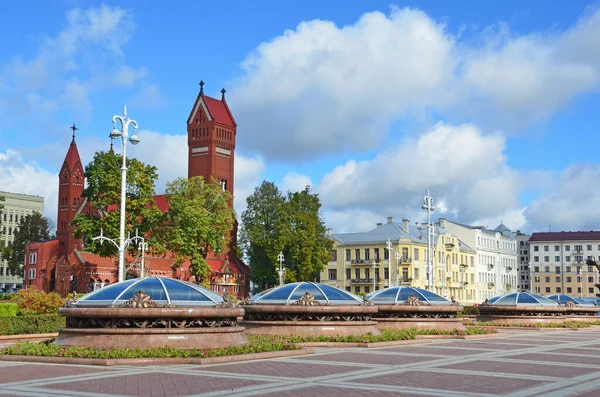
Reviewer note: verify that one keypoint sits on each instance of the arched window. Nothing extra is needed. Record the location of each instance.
(32, 274)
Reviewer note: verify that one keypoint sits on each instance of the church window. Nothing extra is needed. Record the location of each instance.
(32, 274)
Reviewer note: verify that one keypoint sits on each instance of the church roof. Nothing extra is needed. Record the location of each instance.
(72, 157)
(219, 111)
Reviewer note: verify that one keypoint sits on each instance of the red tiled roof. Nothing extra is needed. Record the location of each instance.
(161, 202)
(72, 157)
(219, 111)
(566, 236)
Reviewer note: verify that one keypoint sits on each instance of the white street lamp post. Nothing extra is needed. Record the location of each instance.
(138, 239)
(390, 250)
(428, 206)
(374, 276)
(397, 256)
(463, 268)
(144, 247)
(281, 271)
(124, 134)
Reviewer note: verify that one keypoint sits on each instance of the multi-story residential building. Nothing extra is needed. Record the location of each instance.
(496, 257)
(523, 259)
(16, 207)
(396, 253)
(558, 262)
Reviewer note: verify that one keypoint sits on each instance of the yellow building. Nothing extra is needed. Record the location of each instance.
(360, 262)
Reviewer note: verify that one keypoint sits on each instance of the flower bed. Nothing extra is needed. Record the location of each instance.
(568, 324)
(258, 344)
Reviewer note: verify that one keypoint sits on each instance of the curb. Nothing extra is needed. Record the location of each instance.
(158, 361)
(4, 338)
(479, 336)
(363, 344)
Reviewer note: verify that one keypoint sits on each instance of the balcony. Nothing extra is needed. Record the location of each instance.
(406, 281)
(449, 246)
(405, 260)
(362, 281)
(491, 285)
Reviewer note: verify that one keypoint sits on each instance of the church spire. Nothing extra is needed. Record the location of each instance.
(74, 129)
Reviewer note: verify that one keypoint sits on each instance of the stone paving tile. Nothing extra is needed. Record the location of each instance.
(154, 384)
(493, 346)
(578, 351)
(433, 350)
(554, 358)
(593, 392)
(454, 382)
(282, 368)
(326, 391)
(367, 358)
(24, 372)
(520, 368)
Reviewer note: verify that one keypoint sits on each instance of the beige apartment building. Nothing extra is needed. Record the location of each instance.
(16, 207)
(558, 263)
(396, 254)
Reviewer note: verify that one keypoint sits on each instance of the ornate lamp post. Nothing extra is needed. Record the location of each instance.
(463, 268)
(137, 239)
(374, 265)
(281, 271)
(397, 257)
(124, 134)
(428, 206)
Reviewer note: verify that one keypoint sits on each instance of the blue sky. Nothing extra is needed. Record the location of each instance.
(491, 105)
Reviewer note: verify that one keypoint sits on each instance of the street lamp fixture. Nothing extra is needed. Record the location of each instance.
(281, 271)
(124, 134)
(139, 240)
(397, 257)
(374, 265)
(388, 246)
(463, 268)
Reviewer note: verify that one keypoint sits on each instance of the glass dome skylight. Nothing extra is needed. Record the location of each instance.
(290, 293)
(161, 290)
(564, 299)
(399, 295)
(521, 299)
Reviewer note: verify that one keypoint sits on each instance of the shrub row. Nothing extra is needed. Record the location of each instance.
(36, 324)
(35, 301)
(8, 309)
(469, 311)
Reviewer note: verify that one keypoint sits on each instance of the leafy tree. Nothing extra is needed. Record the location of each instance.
(291, 224)
(199, 219)
(103, 192)
(259, 235)
(34, 227)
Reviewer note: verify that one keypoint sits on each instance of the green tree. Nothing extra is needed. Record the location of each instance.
(199, 219)
(103, 193)
(274, 223)
(34, 227)
(259, 234)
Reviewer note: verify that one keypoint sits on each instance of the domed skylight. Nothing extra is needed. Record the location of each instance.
(161, 290)
(521, 299)
(399, 295)
(564, 299)
(290, 293)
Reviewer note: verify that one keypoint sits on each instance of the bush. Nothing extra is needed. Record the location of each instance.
(36, 324)
(8, 309)
(33, 301)
(469, 311)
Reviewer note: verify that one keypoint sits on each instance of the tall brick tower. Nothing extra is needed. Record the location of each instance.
(211, 132)
(70, 187)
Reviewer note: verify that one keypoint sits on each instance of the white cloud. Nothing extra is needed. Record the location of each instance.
(321, 88)
(571, 205)
(17, 176)
(248, 175)
(126, 76)
(465, 170)
(294, 182)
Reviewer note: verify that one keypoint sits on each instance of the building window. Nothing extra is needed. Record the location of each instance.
(590, 279)
(591, 290)
(367, 273)
(536, 269)
(558, 279)
(547, 279)
(546, 259)
(557, 269)
(32, 258)
(590, 269)
(348, 255)
(376, 253)
(569, 279)
(548, 289)
(32, 274)
(367, 254)
(579, 290)
(332, 274)
(567, 259)
(589, 247)
(357, 290)
(557, 258)
(569, 290)
(357, 254)
(386, 254)
(568, 269)
(349, 289)
(348, 274)
(546, 248)
(334, 255)
(547, 269)
(357, 273)
(536, 258)
(367, 289)
(386, 273)
(536, 248)
(416, 254)
(557, 248)
(558, 290)
(416, 274)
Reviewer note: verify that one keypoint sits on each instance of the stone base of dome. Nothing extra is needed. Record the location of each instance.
(521, 320)
(182, 338)
(584, 319)
(310, 328)
(441, 324)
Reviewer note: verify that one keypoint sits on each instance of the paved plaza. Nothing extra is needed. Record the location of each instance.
(522, 363)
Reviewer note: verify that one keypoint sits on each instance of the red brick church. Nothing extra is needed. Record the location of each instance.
(62, 264)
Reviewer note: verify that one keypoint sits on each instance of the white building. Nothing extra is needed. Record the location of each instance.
(524, 260)
(16, 207)
(496, 259)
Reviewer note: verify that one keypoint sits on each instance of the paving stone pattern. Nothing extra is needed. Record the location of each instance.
(523, 363)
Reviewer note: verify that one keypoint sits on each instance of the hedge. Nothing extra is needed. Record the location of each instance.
(34, 324)
(8, 309)
(469, 311)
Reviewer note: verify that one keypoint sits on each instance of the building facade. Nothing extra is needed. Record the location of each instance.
(524, 260)
(496, 257)
(16, 208)
(62, 265)
(559, 263)
(396, 254)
